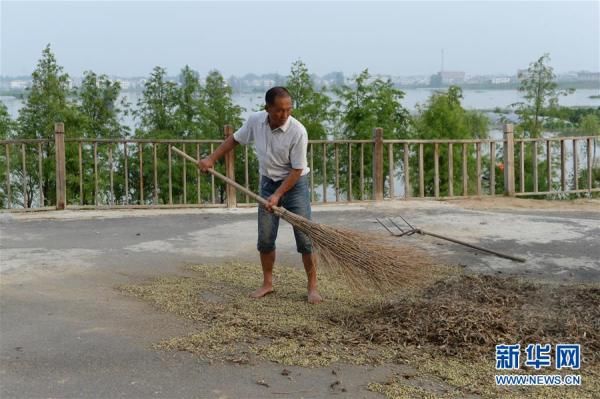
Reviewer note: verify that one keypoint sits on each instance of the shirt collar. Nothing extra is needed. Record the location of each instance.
(283, 127)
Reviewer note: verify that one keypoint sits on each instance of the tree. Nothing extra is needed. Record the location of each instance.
(7, 125)
(47, 102)
(364, 105)
(541, 94)
(218, 108)
(157, 106)
(443, 117)
(99, 108)
(99, 112)
(217, 111)
(156, 113)
(7, 130)
(311, 107)
(189, 104)
(590, 125)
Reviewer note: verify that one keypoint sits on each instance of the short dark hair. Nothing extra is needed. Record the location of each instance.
(274, 92)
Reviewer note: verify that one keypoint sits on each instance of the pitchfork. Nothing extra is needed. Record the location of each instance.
(409, 230)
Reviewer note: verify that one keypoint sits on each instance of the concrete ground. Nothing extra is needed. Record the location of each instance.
(66, 332)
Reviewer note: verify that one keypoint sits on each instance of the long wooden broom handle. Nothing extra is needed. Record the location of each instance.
(229, 181)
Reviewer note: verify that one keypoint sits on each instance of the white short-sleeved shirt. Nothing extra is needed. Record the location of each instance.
(278, 150)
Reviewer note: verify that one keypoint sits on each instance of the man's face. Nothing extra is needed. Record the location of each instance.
(280, 111)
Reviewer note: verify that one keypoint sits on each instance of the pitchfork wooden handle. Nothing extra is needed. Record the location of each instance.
(229, 181)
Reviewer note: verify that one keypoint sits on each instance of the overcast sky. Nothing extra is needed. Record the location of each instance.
(398, 38)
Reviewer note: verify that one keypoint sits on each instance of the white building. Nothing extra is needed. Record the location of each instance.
(498, 80)
(19, 84)
(125, 84)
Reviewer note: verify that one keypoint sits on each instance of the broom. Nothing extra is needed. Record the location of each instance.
(358, 257)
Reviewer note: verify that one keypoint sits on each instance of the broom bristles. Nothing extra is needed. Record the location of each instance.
(361, 258)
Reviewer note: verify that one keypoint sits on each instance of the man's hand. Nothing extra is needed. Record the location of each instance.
(205, 164)
(272, 201)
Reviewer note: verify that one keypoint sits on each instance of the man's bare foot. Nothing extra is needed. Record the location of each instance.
(314, 297)
(262, 291)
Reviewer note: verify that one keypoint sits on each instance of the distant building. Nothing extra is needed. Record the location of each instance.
(588, 76)
(125, 84)
(477, 79)
(19, 84)
(499, 80)
(446, 78)
(567, 77)
(452, 77)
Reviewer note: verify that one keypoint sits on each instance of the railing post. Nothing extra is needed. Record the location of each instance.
(59, 150)
(230, 169)
(378, 164)
(509, 160)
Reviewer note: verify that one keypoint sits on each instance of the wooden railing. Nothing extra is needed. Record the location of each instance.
(126, 173)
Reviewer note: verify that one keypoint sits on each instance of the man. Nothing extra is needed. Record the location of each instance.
(280, 142)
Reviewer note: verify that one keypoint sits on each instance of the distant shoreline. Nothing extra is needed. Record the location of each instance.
(464, 87)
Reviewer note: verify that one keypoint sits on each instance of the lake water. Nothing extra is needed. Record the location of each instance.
(473, 99)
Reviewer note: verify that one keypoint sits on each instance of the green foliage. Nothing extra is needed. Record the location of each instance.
(443, 117)
(583, 180)
(7, 130)
(364, 105)
(541, 93)
(7, 125)
(590, 125)
(184, 110)
(99, 112)
(572, 121)
(218, 108)
(371, 103)
(573, 115)
(157, 107)
(188, 104)
(163, 112)
(48, 100)
(98, 107)
(540, 110)
(217, 111)
(311, 107)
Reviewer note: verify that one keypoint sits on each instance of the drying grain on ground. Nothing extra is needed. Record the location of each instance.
(446, 329)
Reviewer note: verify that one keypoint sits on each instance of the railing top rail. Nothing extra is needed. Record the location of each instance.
(557, 138)
(26, 141)
(216, 141)
(441, 141)
(340, 141)
(142, 141)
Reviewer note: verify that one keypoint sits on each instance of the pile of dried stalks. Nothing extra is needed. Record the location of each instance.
(468, 315)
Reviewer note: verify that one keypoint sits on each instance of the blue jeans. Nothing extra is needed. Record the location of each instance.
(296, 200)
